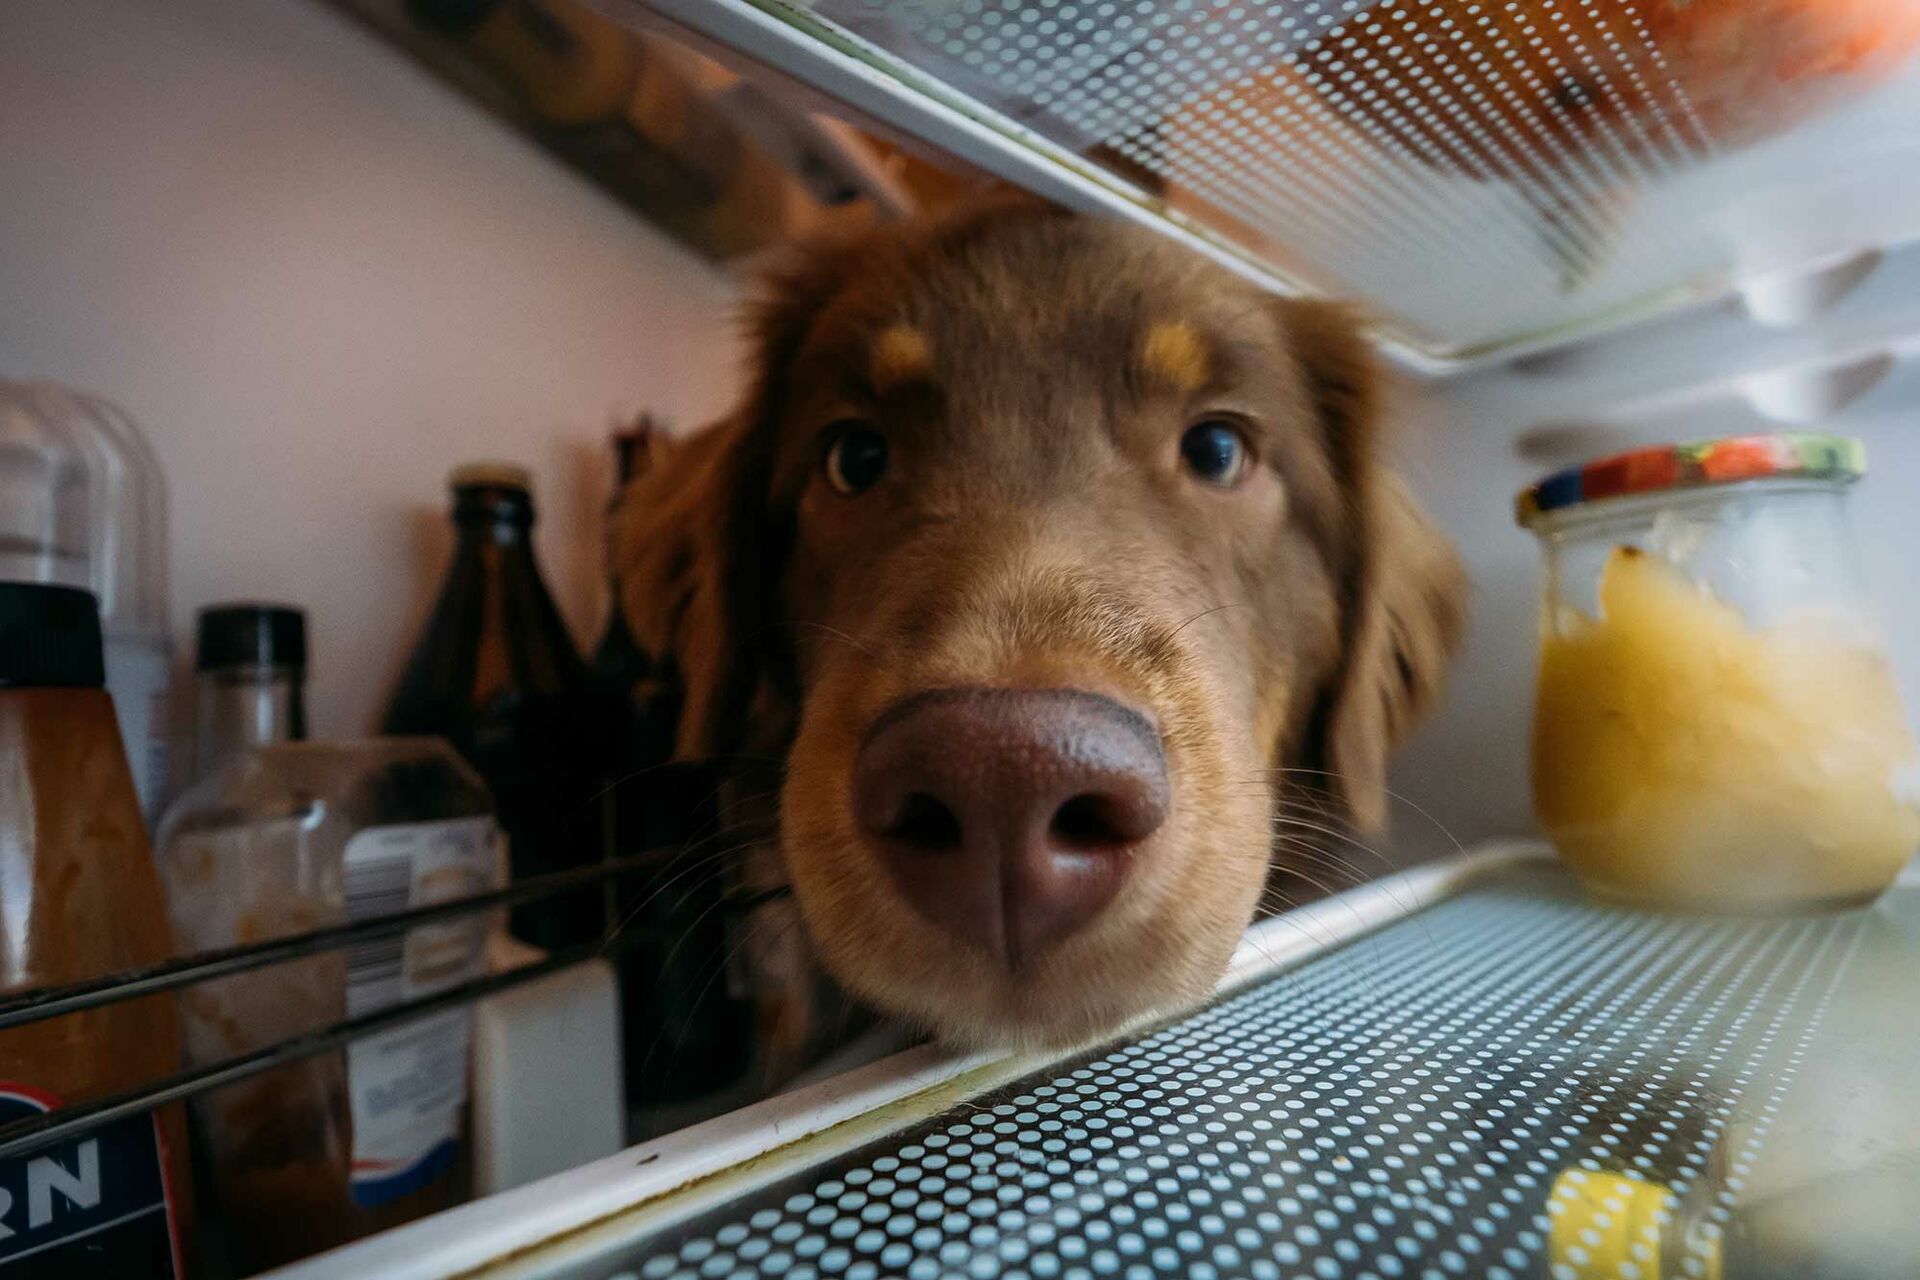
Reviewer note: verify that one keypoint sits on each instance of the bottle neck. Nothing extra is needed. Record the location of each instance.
(500, 553)
(499, 515)
(495, 627)
(496, 529)
(236, 708)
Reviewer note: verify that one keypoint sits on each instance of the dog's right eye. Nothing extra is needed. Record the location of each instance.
(856, 459)
(1215, 450)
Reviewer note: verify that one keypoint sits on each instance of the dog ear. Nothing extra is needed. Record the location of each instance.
(698, 544)
(1402, 591)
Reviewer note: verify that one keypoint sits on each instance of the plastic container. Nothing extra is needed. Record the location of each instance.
(83, 504)
(295, 836)
(1716, 723)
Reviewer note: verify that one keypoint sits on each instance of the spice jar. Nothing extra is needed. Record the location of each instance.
(1716, 724)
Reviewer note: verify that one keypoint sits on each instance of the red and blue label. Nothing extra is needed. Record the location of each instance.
(94, 1207)
(375, 1182)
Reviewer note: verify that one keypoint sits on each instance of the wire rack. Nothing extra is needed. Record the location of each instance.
(656, 869)
(1488, 176)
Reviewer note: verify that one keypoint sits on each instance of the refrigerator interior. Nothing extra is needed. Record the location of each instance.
(281, 245)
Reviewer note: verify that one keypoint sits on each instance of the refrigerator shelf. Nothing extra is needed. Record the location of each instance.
(1465, 1069)
(1487, 179)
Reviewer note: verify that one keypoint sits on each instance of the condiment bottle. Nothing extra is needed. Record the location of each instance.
(82, 900)
(497, 675)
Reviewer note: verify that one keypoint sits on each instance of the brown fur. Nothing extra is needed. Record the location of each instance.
(1036, 528)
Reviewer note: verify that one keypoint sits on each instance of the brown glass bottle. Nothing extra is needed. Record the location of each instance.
(645, 688)
(684, 1023)
(496, 674)
(83, 899)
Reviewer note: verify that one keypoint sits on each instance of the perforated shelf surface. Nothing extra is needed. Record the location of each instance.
(1486, 176)
(1511, 1083)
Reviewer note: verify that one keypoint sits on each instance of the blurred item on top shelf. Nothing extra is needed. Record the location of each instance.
(1549, 97)
(1717, 724)
(250, 675)
(298, 836)
(82, 901)
(83, 503)
(495, 673)
(1483, 178)
(688, 144)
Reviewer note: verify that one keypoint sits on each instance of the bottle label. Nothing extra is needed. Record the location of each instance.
(93, 1207)
(408, 1086)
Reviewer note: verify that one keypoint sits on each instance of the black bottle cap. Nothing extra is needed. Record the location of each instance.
(49, 638)
(252, 635)
(510, 476)
(492, 493)
(452, 17)
(630, 445)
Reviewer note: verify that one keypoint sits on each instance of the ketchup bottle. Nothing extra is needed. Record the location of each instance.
(82, 899)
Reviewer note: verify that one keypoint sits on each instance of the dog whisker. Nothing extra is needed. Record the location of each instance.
(687, 931)
(834, 633)
(1345, 838)
(1391, 794)
(630, 914)
(713, 864)
(1207, 613)
(1304, 853)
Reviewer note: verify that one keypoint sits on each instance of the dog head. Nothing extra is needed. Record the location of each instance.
(1058, 553)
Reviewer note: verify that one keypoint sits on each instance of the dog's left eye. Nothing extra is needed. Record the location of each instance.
(1215, 451)
(856, 459)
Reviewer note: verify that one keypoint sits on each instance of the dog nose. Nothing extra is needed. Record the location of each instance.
(1010, 817)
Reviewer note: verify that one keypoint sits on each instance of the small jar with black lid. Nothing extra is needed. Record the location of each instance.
(249, 681)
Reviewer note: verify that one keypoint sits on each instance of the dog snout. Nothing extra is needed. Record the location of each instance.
(1010, 817)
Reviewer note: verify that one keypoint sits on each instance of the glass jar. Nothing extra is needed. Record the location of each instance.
(1716, 724)
(294, 836)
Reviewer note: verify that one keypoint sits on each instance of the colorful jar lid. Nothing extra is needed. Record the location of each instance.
(1803, 455)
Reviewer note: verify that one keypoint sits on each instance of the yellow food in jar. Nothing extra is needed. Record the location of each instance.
(1681, 757)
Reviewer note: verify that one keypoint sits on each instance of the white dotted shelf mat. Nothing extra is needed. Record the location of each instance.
(1513, 1083)
(1485, 178)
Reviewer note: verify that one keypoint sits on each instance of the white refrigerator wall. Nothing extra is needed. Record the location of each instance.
(318, 279)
